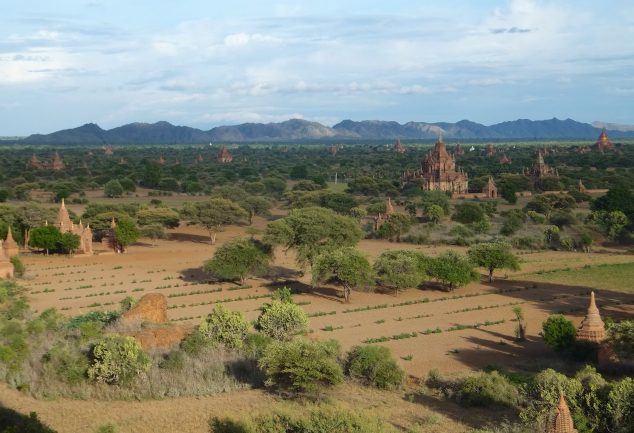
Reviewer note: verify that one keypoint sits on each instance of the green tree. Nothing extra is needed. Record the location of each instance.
(256, 206)
(214, 214)
(117, 359)
(400, 269)
(621, 338)
(113, 189)
(228, 328)
(69, 243)
(374, 366)
(46, 238)
(396, 225)
(311, 231)
(302, 366)
(438, 198)
(239, 258)
(160, 215)
(153, 231)
(346, 266)
(611, 223)
(621, 406)
(126, 232)
(282, 320)
(468, 212)
(559, 333)
(434, 213)
(452, 270)
(492, 256)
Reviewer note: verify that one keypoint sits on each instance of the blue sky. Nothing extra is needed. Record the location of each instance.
(205, 63)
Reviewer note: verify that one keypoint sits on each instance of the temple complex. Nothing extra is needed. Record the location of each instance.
(438, 172)
(505, 160)
(65, 225)
(224, 156)
(56, 163)
(592, 327)
(603, 143)
(561, 421)
(459, 150)
(490, 150)
(398, 147)
(10, 246)
(6, 267)
(107, 150)
(540, 169)
(489, 190)
(380, 219)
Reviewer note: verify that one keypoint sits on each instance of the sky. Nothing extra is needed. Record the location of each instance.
(205, 63)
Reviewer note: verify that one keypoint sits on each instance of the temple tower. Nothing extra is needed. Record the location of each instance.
(603, 143)
(592, 327)
(398, 147)
(561, 422)
(224, 156)
(10, 246)
(6, 267)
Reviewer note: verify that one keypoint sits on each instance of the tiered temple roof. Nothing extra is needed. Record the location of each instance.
(490, 150)
(592, 327)
(561, 422)
(398, 147)
(56, 163)
(438, 172)
(224, 156)
(603, 143)
(66, 225)
(459, 150)
(490, 189)
(108, 150)
(380, 219)
(505, 160)
(333, 149)
(540, 169)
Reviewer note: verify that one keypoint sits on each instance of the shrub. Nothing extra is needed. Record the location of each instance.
(67, 363)
(117, 359)
(467, 213)
(283, 294)
(621, 405)
(255, 344)
(106, 428)
(18, 267)
(559, 333)
(302, 366)
(173, 361)
(621, 338)
(487, 389)
(194, 343)
(374, 366)
(321, 420)
(228, 328)
(282, 320)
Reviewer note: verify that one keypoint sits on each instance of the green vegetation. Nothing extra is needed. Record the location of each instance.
(374, 366)
(117, 359)
(607, 276)
(282, 320)
(347, 266)
(225, 327)
(239, 258)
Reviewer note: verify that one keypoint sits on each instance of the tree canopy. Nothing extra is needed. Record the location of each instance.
(239, 258)
(214, 214)
(346, 266)
(492, 256)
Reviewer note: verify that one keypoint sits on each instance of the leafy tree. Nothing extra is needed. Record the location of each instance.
(438, 198)
(117, 359)
(621, 338)
(618, 198)
(611, 223)
(358, 213)
(226, 327)
(559, 333)
(239, 258)
(113, 189)
(492, 256)
(551, 235)
(397, 225)
(69, 243)
(374, 366)
(340, 202)
(46, 238)
(302, 366)
(621, 406)
(126, 232)
(311, 231)
(400, 269)
(376, 207)
(364, 185)
(282, 320)
(468, 213)
(127, 184)
(160, 215)
(346, 266)
(520, 330)
(153, 231)
(434, 213)
(214, 214)
(274, 185)
(18, 267)
(256, 206)
(452, 270)
(508, 193)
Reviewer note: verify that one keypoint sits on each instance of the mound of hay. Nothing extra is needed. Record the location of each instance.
(150, 308)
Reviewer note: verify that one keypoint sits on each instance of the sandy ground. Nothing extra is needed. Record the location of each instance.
(172, 267)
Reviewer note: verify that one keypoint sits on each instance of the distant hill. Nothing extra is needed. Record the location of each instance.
(303, 130)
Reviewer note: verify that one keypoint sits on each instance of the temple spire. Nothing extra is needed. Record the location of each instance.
(562, 420)
(592, 327)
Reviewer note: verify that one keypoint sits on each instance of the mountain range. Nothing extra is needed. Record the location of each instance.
(347, 130)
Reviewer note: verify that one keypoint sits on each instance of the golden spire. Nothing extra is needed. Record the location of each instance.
(562, 421)
(389, 209)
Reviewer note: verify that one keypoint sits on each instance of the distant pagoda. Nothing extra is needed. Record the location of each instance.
(107, 150)
(490, 189)
(603, 143)
(561, 421)
(224, 156)
(6, 267)
(56, 163)
(10, 246)
(540, 169)
(505, 160)
(459, 150)
(398, 147)
(592, 327)
(380, 219)
(581, 187)
(332, 149)
(490, 150)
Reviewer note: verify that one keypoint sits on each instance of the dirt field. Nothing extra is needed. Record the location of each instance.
(454, 332)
